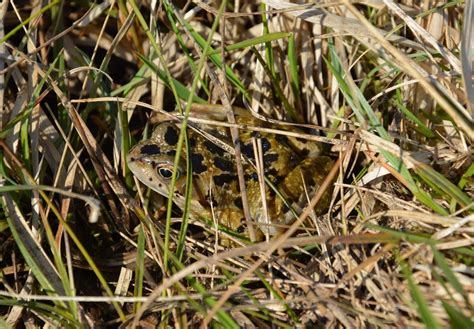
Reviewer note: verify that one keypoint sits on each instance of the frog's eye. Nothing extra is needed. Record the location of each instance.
(166, 171)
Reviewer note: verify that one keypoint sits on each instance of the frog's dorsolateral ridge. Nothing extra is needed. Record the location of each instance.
(292, 166)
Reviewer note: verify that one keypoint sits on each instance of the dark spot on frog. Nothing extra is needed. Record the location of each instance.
(282, 139)
(222, 179)
(271, 173)
(197, 161)
(171, 152)
(247, 150)
(278, 179)
(241, 229)
(132, 159)
(150, 179)
(265, 145)
(212, 201)
(268, 159)
(252, 176)
(192, 142)
(304, 152)
(213, 131)
(220, 135)
(238, 202)
(213, 148)
(150, 149)
(223, 164)
(311, 182)
(302, 140)
(171, 136)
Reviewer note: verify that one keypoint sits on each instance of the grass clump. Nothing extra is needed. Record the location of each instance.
(386, 87)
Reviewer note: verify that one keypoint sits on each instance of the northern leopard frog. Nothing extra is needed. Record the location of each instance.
(293, 167)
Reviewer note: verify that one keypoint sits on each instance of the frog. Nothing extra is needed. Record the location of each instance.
(293, 169)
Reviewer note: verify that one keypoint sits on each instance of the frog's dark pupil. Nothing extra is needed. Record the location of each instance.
(165, 172)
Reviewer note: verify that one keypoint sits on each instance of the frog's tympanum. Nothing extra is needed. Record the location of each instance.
(293, 170)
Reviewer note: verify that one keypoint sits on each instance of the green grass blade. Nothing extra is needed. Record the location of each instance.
(33, 253)
(29, 19)
(252, 42)
(457, 319)
(420, 126)
(363, 110)
(423, 310)
(468, 175)
(441, 183)
(449, 274)
(293, 61)
(182, 92)
(214, 57)
(53, 312)
(140, 267)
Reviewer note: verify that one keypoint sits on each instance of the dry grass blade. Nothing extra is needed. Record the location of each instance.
(337, 23)
(467, 53)
(423, 34)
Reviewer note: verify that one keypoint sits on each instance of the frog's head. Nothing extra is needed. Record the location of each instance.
(152, 161)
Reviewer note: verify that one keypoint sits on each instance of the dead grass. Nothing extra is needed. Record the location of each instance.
(387, 87)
